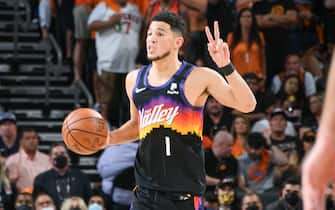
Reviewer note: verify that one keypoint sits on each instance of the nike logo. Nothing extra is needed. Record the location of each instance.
(138, 90)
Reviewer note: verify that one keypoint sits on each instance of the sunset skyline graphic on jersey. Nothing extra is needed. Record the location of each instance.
(165, 111)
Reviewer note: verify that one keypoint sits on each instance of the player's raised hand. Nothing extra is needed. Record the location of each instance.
(317, 173)
(218, 49)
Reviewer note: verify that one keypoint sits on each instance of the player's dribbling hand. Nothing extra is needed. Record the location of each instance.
(217, 48)
(317, 173)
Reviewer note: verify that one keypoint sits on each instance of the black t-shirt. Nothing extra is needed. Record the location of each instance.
(221, 12)
(225, 167)
(288, 144)
(209, 128)
(310, 121)
(274, 35)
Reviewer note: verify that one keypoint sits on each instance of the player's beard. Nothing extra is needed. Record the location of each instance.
(159, 57)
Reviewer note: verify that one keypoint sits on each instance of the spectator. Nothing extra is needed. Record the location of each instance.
(116, 167)
(219, 162)
(97, 201)
(211, 201)
(247, 45)
(7, 194)
(251, 201)
(9, 140)
(289, 145)
(43, 200)
(256, 165)
(309, 36)
(225, 191)
(44, 13)
(256, 85)
(293, 65)
(73, 203)
(308, 140)
(23, 199)
(64, 24)
(270, 103)
(274, 17)
(311, 121)
(244, 4)
(196, 49)
(292, 99)
(62, 181)
(290, 196)
(118, 28)
(23, 166)
(221, 11)
(240, 131)
(80, 13)
(215, 118)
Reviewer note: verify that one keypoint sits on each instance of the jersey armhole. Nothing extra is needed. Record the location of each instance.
(182, 89)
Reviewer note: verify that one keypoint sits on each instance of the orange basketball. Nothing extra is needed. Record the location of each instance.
(85, 131)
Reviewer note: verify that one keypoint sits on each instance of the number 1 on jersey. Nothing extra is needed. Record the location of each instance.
(167, 146)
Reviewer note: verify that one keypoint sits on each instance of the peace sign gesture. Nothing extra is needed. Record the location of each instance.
(217, 48)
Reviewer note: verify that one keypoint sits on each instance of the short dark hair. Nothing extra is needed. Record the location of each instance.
(37, 194)
(98, 192)
(57, 145)
(256, 140)
(175, 21)
(27, 129)
(293, 180)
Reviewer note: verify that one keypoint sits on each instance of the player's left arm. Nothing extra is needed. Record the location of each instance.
(234, 92)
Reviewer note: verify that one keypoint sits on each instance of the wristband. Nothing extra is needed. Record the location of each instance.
(226, 70)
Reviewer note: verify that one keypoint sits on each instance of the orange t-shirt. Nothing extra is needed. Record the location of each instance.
(247, 60)
(238, 148)
(80, 2)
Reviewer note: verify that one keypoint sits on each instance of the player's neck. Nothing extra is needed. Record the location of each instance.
(166, 66)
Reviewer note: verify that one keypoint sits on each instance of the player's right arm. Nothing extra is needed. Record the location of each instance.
(129, 131)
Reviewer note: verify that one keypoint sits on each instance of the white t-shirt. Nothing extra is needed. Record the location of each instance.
(262, 124)
(117, 47)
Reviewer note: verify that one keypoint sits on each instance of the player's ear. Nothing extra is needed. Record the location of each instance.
(179, 42)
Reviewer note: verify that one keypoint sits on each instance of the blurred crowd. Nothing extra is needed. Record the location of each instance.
(281, 48)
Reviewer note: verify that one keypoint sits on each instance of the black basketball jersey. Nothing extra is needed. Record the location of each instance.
(170, 156)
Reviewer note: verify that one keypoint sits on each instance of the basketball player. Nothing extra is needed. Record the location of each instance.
(319, 167)
(167, 99)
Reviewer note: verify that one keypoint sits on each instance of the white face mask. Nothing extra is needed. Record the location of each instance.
(48, 208)
(94, 206)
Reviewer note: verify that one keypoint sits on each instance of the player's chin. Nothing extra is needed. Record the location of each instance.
(152, 57)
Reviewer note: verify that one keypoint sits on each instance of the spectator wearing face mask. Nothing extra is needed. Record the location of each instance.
(97, 201)
(226, 195)
(43, 201)
(251, 201)
(74, 203)
(24, 200)
(62, 181)
(290, 198)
